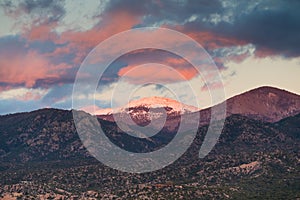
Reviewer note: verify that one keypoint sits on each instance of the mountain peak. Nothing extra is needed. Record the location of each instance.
(156, 102)
(152, 102)
(265, 103)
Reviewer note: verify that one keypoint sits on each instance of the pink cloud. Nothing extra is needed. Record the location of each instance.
(43, 31)
(156, 73)
(60, 51)
(20, 68)
(31, 96)
(176, 61)
(82, 42)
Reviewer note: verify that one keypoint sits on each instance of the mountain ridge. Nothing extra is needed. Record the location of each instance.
(265, 103)
(230, 100)
(271, 103)
(41, 155)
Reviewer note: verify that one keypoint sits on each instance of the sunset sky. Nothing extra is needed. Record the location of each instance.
(43, 43)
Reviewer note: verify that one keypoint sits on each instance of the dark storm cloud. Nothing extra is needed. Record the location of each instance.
(277, 29)
(270, 25)
(180, 11)
(167, 10)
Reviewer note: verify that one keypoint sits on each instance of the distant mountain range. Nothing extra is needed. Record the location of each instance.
(265, 103)
(257, 155)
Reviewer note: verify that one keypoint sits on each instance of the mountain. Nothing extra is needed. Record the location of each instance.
(256, 157)
(40, 135)
(253, 159)
(265, 103)
(49, 134)
(170, 105)
(144, 110)
(268, 104)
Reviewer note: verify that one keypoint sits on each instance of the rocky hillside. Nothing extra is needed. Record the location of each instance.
(253, 159)
(40, 135)
(41, 156)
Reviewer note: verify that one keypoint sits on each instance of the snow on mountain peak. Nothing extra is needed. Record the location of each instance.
(153, 102)
(159, 102)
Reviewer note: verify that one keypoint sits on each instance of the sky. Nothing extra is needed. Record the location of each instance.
(43, 43)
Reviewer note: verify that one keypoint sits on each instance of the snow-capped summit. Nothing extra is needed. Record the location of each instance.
(145, 110)
(162, 102)
(145, 104)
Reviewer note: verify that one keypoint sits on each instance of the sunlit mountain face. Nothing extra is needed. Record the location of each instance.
(155, 112)
(147, 104)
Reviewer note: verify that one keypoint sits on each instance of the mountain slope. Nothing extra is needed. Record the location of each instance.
(41, 154)
(50, 133)
(265, 103)
(40, 135)
(250, 154)
(268, 104)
